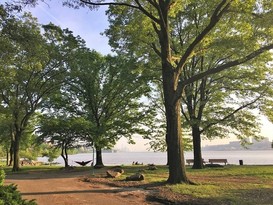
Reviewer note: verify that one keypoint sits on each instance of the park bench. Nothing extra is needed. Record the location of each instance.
(191, 161)
(218, 161)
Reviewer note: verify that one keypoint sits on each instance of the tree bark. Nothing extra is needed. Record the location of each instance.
(7, 156)
(11, 150)
(172, 102)
(16, 157)
(64, 156)
(177, 171)
(99, 163)
(198, 160)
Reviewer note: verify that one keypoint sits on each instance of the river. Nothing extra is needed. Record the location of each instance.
(264, 157)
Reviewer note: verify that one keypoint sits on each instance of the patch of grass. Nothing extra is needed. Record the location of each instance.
(230, 184)
(199, 191)
(233, 185)
(26, 169)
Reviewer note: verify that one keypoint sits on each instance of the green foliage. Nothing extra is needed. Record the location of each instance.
(109, 89)
(9, 195)
(2, 177)
(32, 68)
(50, 152)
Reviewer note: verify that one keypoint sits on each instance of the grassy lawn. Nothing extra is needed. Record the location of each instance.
(231, 184)
(238, 185)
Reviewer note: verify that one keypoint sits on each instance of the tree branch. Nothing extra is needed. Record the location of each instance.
(231, 114)
(228, 65)
(139, 7)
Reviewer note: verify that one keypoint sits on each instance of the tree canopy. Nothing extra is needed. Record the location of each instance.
(109, 91)
(32, 67)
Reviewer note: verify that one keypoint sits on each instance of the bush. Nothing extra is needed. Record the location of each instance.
(9, 195)
(2, 177)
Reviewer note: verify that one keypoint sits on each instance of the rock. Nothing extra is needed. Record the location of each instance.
(113, 174)
(135, 177)
(152, 167)
(118, 169)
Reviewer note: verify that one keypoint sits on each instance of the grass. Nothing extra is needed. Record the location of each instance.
(233, 185)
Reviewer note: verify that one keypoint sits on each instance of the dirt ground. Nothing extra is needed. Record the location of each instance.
(72, 188)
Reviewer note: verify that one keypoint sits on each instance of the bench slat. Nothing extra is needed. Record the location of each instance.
(218, 161)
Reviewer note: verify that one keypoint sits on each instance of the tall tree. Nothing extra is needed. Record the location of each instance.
(6, 136)
(177, 38)
(110, 89)
(220, 106)
(63, 132)
(32, 67)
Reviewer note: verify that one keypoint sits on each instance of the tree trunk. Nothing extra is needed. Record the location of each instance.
(198, 160)
(16, 149)
(7, 156)
(99, 163)
(168, 156)
(64, 156)
(11, 150)
(170, 76)
(177, 171)
(65, 161)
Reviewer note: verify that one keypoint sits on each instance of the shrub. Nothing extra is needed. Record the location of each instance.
(9, 195)
(2, 177)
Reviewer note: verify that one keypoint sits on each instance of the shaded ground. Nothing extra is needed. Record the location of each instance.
(69, 188)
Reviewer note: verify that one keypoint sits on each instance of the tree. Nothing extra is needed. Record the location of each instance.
(175, 53)
(63, 132)
(157, 136)
(6, 136)
(109, 89)
(212, 15)
(220, 106)
(32, 67)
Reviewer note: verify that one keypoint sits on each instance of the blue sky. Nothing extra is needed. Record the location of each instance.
(83, 22)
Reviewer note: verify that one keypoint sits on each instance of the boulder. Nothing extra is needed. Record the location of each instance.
(118, 169)
(112, 174)
(152, 167)
(135, 177)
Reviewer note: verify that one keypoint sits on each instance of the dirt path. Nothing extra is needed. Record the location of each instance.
(64, 188)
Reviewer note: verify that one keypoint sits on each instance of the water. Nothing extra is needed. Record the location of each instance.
(160, 158)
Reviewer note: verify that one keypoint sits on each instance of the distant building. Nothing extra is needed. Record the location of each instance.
(264, 144)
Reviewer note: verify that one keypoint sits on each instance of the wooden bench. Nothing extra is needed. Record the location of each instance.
(218, 161)
(191, 161)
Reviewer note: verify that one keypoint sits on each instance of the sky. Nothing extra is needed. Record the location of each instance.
(83, 22)
(89, 25)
